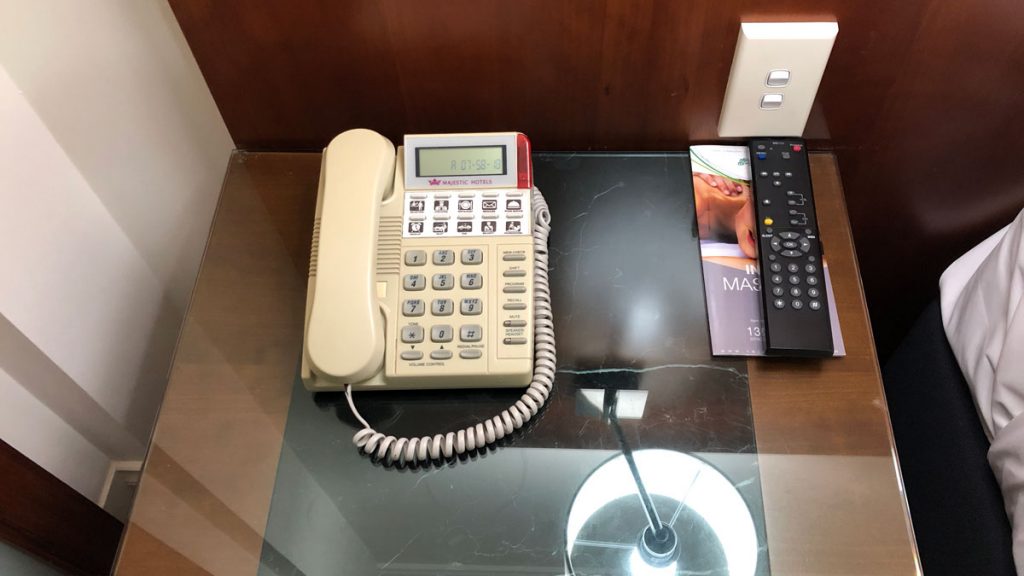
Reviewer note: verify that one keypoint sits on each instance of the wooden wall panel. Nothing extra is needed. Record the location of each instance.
(48, 519)
(923, 101)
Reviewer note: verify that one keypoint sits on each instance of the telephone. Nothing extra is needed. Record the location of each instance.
(428, 269)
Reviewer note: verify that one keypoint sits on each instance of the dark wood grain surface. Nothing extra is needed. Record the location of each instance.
(832, 497)
(923, 102)
(47, 518)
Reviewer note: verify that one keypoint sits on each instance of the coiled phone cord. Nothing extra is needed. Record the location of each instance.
(428, 449)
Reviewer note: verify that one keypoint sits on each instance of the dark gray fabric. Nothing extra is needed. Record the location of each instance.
(955, 502)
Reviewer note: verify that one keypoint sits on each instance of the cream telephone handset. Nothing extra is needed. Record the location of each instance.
(428, 269)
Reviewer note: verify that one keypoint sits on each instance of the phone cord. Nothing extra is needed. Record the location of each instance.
(432, 448)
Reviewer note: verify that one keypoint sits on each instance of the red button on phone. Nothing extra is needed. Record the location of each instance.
(797, 147)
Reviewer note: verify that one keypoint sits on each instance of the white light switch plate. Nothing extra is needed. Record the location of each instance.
(800, 47)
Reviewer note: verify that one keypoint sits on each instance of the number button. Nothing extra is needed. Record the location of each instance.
(472, 281)
(441, 333)
(471, 333)
(472, 256)
(442, 307)
(415, 258)
(444, 257)
(412, 307)
(815, 305)
(813, 292)
(471, 306)
(444, 281)
(414, 282)
(812, 280)
(412, 334)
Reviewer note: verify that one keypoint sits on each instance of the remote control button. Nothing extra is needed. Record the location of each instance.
(776, 183)
(471, 281)
(763, 174)
(414, 282)
(776, 279)
(778, 291)
(514, 306)
(440, 354)
(789, 244)
(779, 303)
(768, 229)
(790, 193)
(811, 259)
(441, 333)
(471, 333)
(442, 307)
(415, 258)
(795, 292)
(471, 306)
(789, 174)
(412, 334)
(793, 267)
(776, 174)
(794, 279)
(775, 243)
(785, 155)
(771, 257)
(514, 273)
(813, 292)
(790, 253)
(444, 257)
(514, 257)
(797, 304)
(514, 323)
(814, 305)
(514, 341)
(797, 147)
(472, 256)
(811, 268)
(471, 354)
(411, 355)
(413, 307)
(805, 244)
(788, 235)
(443, 281)
(812, 280)
(766, 202)
(776, 267)
(760, 146)
(762, 155)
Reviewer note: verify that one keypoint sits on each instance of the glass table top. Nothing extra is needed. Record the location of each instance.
(752, 467)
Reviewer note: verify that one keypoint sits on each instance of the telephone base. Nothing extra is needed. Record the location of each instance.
(317, 383)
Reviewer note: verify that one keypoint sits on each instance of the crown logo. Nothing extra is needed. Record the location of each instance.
(434, 181)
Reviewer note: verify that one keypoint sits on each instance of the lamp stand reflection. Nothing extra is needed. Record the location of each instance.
(691, 519)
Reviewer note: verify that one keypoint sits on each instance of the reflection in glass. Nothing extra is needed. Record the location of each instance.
(606, 519)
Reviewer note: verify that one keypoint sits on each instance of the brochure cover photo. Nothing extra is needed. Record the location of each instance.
(724, 202)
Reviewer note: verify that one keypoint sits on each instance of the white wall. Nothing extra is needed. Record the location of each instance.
(112, 154)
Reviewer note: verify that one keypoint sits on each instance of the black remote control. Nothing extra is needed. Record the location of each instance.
(793, 295)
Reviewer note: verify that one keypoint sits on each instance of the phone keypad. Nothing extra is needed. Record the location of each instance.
(445, 314)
